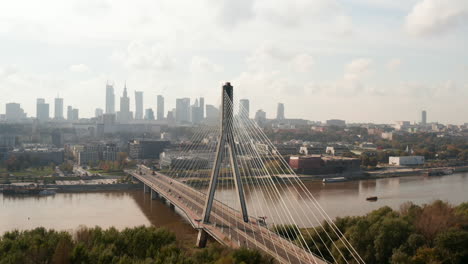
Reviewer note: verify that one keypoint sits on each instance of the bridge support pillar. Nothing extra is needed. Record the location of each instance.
(146, 188)
(171, 205)
(202, 238)
(154, 194)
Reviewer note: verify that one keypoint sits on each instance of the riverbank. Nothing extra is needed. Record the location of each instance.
(383, 173)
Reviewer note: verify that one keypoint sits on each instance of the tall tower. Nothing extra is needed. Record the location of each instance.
(225, 142)
(110, 99)
(202, 108)
(244, 107)
(138, 105)
(42, 110)
(124, 114)
(182, 114)
(160, 107)
(423, 118)
(280, 112)
(58, 110)
(226, 138)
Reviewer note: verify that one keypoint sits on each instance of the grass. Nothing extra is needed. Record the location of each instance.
(30, 172)
(111, 173)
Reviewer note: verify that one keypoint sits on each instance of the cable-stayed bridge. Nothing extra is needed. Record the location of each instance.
(236, 155)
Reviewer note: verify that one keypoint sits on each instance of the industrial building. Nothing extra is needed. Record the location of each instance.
(146, 148)
(406, 160)
(317, 164)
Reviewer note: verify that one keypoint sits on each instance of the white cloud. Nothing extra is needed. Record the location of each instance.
(140, 55)
(303, 63)
(233, 12)
(204, 65)
(436, 16)
(394, 64)
(357, 68)
(79, 68)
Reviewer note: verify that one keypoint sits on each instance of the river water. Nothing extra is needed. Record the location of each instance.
(133, 208)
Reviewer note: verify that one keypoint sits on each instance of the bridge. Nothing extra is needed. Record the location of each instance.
(236, 155)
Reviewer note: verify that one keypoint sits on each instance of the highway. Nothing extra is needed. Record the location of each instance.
(226, 224)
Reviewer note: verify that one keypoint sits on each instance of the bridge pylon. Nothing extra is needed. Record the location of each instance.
(226, 139)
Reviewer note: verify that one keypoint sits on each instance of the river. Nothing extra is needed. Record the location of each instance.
(68, 211)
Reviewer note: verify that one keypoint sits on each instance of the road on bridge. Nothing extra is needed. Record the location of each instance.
(227, 225)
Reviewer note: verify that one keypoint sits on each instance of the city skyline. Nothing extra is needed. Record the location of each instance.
(45, 111)
(357, 60)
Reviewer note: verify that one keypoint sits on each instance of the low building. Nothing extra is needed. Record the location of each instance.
(337, 150)
(406, 160)
(146, 148)
(320, 165)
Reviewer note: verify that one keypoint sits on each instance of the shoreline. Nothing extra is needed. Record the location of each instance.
(382, 174)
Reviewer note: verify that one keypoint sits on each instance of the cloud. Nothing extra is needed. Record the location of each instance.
(79, 68)
(204, 65)
(394, 64)
(302, 63)
(140, 55)
(230, 13)
(436, 16)
(357, 68)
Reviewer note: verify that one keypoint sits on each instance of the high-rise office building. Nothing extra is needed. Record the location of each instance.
(110, 99)
(124, 114)
(69, 113)
(202, 108)
(42, 110)
(280, 112)
(75, 114)
(260, 116)
(160, 107)
(98, 112)
(14, 112)
(149, 114)
(58, 108)
(212, 113)
(182, 114)
(244, 107)
(424, 118)
(72, 114)
(138, 105)
(196, 113)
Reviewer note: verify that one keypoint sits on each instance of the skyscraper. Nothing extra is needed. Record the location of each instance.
(42, 110)
(110, 99)
(14, 112)
(212, 113)
(280, 112)
(182, 114)
(124, 114)
(196, 113)
(138, 105)
(202, 108)
(69, 113)
(149, 114)
(58, 110)
(244, 108)
(98, 112)
(160, 107)
(424, 118)
(260, 116)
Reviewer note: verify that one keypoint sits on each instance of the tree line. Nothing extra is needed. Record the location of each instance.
(96, 245)
(435, 233)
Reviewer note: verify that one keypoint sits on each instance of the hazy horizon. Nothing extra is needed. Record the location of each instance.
(357, 60)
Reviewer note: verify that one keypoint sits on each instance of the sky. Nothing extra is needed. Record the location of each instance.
(358, 60)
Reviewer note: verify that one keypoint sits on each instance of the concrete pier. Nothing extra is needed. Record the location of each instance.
(146, 188)
(154, 194)
(202, 238)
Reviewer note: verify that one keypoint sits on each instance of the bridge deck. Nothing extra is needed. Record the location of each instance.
(229, 229)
